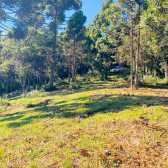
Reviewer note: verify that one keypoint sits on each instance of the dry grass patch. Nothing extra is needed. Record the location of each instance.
(99, 141)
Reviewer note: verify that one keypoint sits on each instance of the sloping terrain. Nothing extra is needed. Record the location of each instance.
(101, 124)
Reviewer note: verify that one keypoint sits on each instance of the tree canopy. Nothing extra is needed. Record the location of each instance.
(36, 54)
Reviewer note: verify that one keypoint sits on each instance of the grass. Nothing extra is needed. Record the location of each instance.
(101, 124)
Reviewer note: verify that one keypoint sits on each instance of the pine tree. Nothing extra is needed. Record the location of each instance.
(55, 10)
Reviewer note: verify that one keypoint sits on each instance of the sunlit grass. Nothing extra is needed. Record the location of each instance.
(97, 125)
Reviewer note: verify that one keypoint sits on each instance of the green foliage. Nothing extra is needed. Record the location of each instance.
(36, 54)
(75, 24)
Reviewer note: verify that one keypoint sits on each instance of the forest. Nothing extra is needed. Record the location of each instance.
(62, 102)
(45, 49)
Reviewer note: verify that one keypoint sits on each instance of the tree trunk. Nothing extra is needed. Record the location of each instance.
(131, 51)
(155, 74)
(69, 71)
(22, 85)
(37, 84)
(41, 77)
(45, 80)
(137, 59)
(7, 86)
(73, 71)
(106, 74)
(54, 54)
(28, 87)
(142, 74)
(33, 82)
(146, 69)
(166, 69)
(51, 74)
(75, 74)
(73, 63)
(11, 84)
(150, 69)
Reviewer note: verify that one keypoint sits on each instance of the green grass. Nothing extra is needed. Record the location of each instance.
(100, 124)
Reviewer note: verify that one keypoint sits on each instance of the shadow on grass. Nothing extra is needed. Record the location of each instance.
(76, 107)
(11, 118)
(89, 86)
(83, 86)
(10, 115)
(14, 95)
(29, 120)
(98, 103)
(95, 104)
(158, 86)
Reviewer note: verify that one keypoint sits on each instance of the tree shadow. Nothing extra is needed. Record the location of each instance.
(83, 106)
(158, 86)
(97, 103)
(9, 115)
(11, 118)
(83, 86)
(14, 95)
(93, 104)
(28, 120)
(89, 86)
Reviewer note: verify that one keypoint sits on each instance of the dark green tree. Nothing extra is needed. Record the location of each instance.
(55, 11)
(75, 32)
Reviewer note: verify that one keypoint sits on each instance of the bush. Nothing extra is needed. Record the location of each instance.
(32, 93)
(14, 94)
(4, 103)
(149, 79)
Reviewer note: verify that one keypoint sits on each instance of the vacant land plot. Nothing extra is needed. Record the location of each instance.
(102, 124)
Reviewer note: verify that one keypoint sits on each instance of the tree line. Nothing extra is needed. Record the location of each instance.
(38, 52)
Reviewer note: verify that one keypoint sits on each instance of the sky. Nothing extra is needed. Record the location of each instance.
(89, 8)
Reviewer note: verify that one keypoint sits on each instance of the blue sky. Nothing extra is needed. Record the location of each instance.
(89, 8)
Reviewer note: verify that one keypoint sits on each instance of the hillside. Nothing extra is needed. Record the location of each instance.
(99, 124)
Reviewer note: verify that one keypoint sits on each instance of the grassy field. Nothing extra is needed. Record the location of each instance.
(98, 125)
